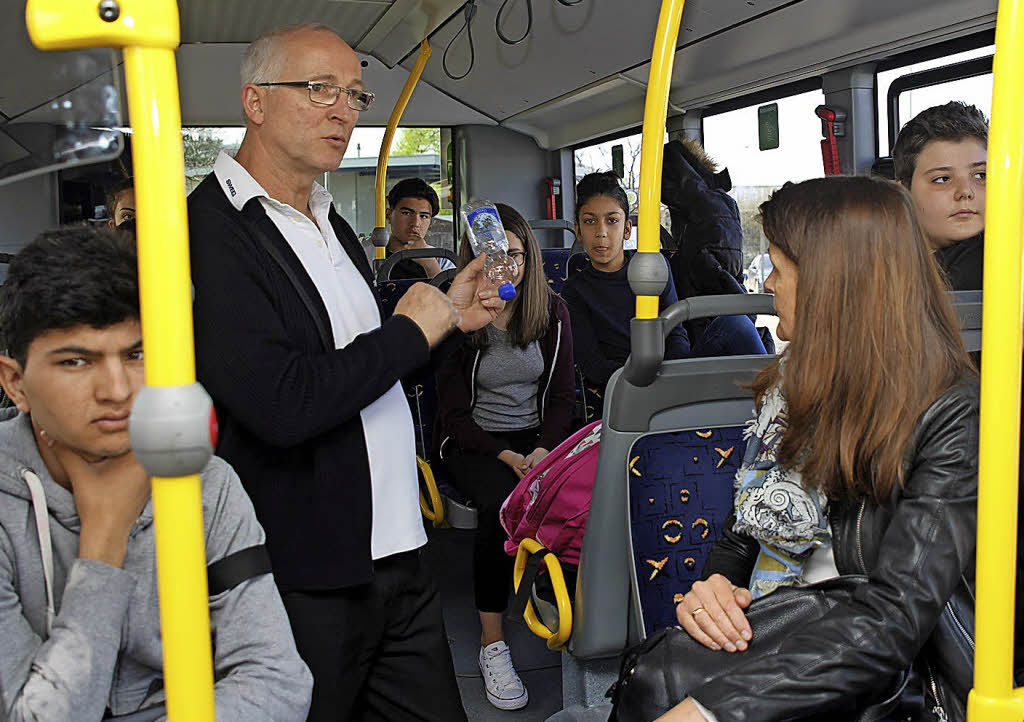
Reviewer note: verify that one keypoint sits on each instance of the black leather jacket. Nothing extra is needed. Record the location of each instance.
(916, 610)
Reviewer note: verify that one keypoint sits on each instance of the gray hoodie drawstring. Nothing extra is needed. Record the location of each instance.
(35, 488)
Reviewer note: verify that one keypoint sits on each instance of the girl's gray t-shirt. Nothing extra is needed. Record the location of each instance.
(507, 384)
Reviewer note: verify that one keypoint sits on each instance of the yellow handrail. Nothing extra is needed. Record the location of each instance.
(433, 509)
(389, 134)
(993, 698)
(652, 144)
(555, 639)
(148, 31)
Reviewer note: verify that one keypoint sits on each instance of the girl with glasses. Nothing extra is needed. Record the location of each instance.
(506, 399)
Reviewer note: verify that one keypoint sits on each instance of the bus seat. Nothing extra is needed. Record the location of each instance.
(555, 266)
(968, 309)
(648, 443)
(682, 432)
(884, 168)
(382, 270)
(559, 225)
(556, 258)
(680, 494)
(578, 260)
(390, 292)
(421, 393)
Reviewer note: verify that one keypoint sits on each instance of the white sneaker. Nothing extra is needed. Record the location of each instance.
(504, 688)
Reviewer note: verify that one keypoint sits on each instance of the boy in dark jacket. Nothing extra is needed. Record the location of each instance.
(940, 157)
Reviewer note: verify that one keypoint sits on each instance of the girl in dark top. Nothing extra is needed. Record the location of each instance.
(506, 399)
(601, 302)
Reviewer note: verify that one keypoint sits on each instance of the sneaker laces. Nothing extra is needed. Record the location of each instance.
(499, 666)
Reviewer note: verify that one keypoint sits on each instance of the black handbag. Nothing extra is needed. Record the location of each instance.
(658, 674)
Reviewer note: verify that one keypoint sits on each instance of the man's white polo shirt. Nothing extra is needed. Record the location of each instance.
(387, 422)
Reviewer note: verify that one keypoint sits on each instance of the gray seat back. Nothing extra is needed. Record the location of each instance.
(645, 434)
(670, 427)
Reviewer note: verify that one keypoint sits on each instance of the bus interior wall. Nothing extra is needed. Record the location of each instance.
(510, 167)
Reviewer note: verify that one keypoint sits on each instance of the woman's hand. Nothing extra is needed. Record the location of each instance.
(712, 613)
(685, 711)
(514, 461)
(533, 458)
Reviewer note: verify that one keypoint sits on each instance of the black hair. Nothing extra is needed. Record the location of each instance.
(954, 121)
(73, 276)
(116, 190)
(414, 188)
(600, 184)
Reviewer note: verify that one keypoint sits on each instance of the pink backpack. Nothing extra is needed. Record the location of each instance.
(551, 503)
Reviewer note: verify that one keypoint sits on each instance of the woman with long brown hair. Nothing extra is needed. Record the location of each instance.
(506, 399)
(862, 459)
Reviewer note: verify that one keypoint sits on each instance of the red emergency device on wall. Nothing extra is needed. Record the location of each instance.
(833, 127)
(553, 189)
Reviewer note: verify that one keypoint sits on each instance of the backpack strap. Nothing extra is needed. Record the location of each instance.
(227, 573)
(326, 337)
(530, 574)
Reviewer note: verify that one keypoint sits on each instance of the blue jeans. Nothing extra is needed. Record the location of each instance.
(728, 336)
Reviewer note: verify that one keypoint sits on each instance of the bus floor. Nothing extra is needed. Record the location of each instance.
(450, 554)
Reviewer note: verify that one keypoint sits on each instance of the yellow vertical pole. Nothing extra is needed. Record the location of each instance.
(993, 698)
(148, 31)
(166, 304)
(389, 134)
(652, 151)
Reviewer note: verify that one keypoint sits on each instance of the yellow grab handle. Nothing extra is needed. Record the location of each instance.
(652, 150)
(389, 134)
(555, 639)
(993, 698)
(433, 509)
(148, 31)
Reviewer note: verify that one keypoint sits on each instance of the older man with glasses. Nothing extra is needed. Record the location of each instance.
(305, 374)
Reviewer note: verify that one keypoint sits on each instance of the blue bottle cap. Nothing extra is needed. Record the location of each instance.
(506, 292)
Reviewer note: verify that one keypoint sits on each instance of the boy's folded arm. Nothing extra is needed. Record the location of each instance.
(69, 675)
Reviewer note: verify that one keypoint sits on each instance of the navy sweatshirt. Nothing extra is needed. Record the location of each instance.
(601, 306)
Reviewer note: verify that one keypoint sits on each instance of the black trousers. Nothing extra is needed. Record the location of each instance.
(488, 481)
(378, 652)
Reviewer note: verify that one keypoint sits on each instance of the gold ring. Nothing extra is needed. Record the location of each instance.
(697, 611)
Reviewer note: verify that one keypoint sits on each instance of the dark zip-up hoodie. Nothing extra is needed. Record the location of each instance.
(456, 390)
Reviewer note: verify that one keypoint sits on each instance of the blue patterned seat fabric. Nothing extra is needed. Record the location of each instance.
(681, 492)
(555, 260)
(390, 292)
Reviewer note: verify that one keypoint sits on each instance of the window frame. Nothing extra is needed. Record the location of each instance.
(600, 140)
(925, 79)
(761, 97)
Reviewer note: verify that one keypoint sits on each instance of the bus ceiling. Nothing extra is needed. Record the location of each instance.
(581, 70)
(579, 73)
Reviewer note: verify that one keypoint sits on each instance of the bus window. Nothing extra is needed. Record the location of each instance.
(415, 152)
(731, 139)
(599, 157)
(975, 90)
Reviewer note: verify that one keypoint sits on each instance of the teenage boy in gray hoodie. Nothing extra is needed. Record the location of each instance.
(79, 619)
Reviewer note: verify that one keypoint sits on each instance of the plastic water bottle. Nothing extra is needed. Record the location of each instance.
(487, 235)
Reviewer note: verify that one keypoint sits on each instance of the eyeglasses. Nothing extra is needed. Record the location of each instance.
(519, 257)
(327, 94)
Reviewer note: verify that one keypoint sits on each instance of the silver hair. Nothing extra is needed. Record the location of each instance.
(262, 60)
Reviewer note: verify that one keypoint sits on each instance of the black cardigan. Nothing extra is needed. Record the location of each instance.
(289, 407)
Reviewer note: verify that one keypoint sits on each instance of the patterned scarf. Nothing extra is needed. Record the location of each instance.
(773, 506)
